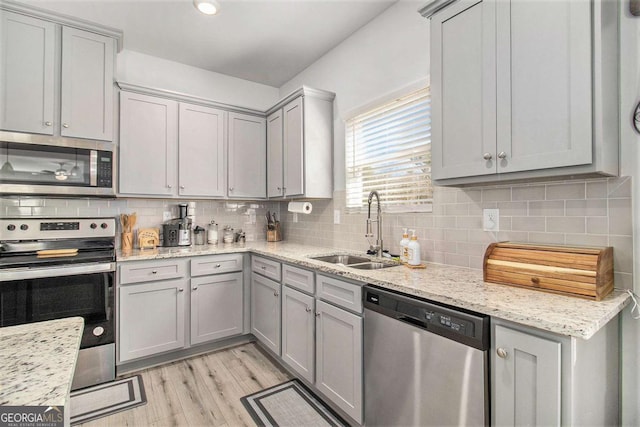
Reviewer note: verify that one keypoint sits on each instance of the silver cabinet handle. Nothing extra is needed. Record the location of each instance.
(154, 272)
(168, 185)
(264, 267)
(502, 155)
(180, 289)
(502, 353)
(276, 293)
(279, 188)
(195, 288)
(230, 188)
(182, 187)
(218, 266)
(487, 156)
(65, 125)
(48, 123)
(317, 314)
(308, 309)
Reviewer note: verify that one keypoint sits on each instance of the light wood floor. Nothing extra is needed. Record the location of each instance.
(201, 391)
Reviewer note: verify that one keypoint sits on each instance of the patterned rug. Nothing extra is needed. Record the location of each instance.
(289, 404)
(105, 399)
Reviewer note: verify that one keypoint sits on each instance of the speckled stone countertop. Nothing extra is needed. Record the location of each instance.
(37, 362)
(460, 287)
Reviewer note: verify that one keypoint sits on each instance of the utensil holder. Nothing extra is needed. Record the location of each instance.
(274, 235)
(126, 242)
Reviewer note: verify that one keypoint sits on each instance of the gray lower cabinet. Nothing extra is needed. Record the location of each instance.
(298, 332)
(216, 307)
(266, 311)
(339, 371)
(151, 318)
(174, 304)
(542, 378)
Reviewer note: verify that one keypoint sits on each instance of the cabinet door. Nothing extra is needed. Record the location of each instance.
(87, 85)
(275, 173)
(27, 56)
(544, 84)
(265, 311)
(339, 358)
(298, 326)
(148, 145)
(526, 383)
(201, 151)
(216, 307)
(247, 156)
(463, 86)
(293, 148)
(151, 318)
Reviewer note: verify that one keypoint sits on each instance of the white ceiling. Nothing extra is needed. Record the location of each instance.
(265, 41)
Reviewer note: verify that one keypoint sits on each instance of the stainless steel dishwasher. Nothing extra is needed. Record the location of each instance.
(425, 364)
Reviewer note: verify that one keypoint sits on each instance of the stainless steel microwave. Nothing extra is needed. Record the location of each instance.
(40, 165)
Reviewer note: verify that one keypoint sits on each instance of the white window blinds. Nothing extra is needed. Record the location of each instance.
(389, 149)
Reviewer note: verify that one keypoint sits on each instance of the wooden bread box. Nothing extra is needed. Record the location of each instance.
(583, 272)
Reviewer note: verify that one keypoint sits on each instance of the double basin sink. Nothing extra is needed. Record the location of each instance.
(358, 262)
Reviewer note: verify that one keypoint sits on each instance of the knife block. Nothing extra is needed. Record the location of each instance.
(274, 235)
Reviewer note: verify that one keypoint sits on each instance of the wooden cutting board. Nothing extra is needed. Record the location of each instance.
(584, 272)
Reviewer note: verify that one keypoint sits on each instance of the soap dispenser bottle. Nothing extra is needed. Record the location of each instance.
(404, 250)
(413, 250)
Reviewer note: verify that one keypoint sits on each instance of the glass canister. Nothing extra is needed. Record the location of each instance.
(212, 233)
(228, 235)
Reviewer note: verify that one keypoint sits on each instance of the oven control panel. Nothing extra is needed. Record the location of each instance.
(55, 228)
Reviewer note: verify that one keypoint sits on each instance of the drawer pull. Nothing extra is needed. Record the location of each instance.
(502, 353)
(195, 288)
(317, 314)
(264, 267)
(535, 281)
(218, 266)
(154, 272)
(276, 293)
(308, 309)
(180, 289)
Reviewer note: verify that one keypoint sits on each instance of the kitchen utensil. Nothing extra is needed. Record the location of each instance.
(7, 167)
(126, 242)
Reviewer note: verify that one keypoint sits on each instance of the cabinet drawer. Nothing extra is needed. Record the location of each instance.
(148, 271)
(298, 278)
(344, 294)
(266, 267)
(205, 265)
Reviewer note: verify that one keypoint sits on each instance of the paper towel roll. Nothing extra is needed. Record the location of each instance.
(300, 207)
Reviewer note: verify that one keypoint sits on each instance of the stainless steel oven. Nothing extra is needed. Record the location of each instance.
(56, 268)
(38, 165)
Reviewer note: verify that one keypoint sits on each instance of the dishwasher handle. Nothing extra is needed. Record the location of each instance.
(412, 321)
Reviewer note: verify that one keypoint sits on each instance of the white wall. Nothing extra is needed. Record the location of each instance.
(145, 70)
(630, 156)
(380, 58)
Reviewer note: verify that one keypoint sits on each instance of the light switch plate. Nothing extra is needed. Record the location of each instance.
(491, 219)
(336, 216)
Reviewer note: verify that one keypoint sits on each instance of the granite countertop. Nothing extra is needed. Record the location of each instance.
(460, 287)
(37, 362)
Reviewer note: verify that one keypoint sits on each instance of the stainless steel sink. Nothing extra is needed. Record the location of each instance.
(342, 259)
(372, 265)
(354, 261)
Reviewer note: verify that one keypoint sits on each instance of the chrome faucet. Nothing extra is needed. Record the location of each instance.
(377, 248)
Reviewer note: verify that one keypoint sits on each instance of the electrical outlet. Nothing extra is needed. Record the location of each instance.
(166, 216)
(491, 219)
(336, 216)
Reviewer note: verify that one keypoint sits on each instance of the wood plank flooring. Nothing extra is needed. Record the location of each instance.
(201, 391)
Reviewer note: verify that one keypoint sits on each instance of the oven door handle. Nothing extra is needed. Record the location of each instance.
(43, 273)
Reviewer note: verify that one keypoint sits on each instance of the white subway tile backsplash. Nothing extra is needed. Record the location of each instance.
(597, 189)
(620, 217)
(566, 224)
(589, 207)
(456, 235)
(512, 208)
(551, 238)
(619, 187)
(528, 223)
(586, 240)
(566, 191)
(496, 195)
(597, 225)
(622, 253)
(549, 208)
(536, 192)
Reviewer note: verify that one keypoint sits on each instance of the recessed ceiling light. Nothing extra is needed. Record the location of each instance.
(208, 7)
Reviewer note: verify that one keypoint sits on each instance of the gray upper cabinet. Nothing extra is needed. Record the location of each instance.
(148, 145)
(201, 171)
(275, 175)
(247, 166)
(27, 61)
(300, 141)
(87, 85)
(31, 77)
(513, 99)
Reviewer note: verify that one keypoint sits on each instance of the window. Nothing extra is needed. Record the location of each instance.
(389, 149)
